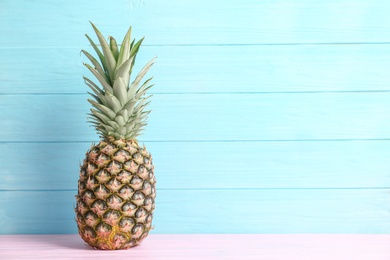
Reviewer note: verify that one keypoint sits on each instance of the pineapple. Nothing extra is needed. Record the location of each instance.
(116, 189)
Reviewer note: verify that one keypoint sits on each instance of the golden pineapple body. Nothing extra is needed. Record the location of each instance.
(116, 194)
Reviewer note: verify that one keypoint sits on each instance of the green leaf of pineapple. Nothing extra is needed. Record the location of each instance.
(95, 63)
(103, 109)
(113, 102)
(123, 71)
(114, 47)
(110, 60)
(107, 87)
(124, 53)
(141, 74)
(101, 56)
(119, 90)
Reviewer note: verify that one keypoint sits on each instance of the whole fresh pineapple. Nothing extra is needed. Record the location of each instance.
(116, 189)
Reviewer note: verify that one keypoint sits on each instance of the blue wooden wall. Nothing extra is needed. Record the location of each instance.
(268, 116)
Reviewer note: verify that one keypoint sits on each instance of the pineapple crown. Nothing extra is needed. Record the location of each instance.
(118, 106)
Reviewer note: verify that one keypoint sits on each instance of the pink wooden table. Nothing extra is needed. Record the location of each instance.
(264, 247)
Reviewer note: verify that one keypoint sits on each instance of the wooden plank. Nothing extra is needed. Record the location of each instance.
(208, 165)
(229, 211)
(211, 69)
(204, 246)
(196, 22)
(284, 116)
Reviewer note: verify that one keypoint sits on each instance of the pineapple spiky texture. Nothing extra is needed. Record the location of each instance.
(116, 188)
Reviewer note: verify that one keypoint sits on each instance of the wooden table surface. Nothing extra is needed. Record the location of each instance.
(286, 247)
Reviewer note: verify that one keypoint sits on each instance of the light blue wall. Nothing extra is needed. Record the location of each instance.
(268, 116)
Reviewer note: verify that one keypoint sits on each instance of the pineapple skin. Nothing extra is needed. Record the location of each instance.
(116, 195)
